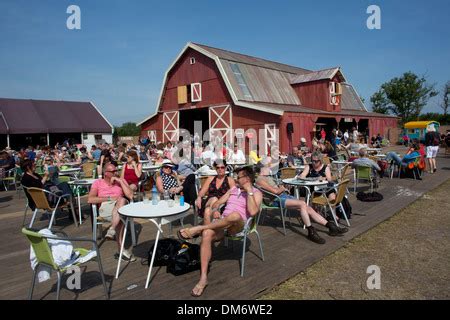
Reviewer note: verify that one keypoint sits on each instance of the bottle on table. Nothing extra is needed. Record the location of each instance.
(154, 195)
(181, 199)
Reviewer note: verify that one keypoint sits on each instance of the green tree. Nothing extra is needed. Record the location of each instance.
(128, 129)
(379, 102)
(407, 95)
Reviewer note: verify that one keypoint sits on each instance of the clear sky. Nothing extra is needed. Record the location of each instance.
(119, 57)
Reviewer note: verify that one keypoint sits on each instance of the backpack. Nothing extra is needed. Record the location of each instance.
(185, 260)
(436, 139)
(347, 208)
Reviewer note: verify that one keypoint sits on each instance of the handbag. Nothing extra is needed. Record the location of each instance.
(165, 252)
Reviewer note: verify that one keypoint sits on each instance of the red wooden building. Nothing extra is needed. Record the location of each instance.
(232, 93)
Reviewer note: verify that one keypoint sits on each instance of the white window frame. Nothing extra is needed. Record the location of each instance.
(196, 87)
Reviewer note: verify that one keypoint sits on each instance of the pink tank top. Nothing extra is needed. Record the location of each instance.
(237, 202)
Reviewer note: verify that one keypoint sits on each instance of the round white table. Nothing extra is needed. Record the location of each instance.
(159, 214)
(144, 161)
(81, 183)
(299, 183)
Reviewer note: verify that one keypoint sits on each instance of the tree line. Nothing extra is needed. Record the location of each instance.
(406, 96)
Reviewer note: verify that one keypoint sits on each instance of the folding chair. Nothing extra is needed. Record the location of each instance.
(44, 257)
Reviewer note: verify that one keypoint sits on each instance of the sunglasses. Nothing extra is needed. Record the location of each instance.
(220, 167)
(315, 161)
(112, 171)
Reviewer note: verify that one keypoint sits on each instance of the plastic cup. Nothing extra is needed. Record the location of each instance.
(146, 200)
(171, 203)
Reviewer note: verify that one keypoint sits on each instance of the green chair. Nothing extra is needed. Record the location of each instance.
(44, 257)
(249, 228)
(364, 173)
(264, 206)
(10, 178)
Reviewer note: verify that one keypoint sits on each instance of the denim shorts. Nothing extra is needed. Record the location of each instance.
(283, 197)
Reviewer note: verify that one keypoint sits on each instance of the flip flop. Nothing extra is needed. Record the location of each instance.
(200, 288)
(189, 235)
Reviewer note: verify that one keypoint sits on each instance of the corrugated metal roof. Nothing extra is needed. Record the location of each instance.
(267, 85)
(46, 116)
(250, 60)
(350, 100)
(314, 76)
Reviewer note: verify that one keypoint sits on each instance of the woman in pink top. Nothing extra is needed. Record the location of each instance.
(242, 202)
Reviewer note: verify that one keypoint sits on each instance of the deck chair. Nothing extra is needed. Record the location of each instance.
(364, 173)
(249, 228)
(412, 166)
(44, 257)
(283, 211)
(287, 173)
(324, 202)
(88, 169)
(40, 200)
(10, 178)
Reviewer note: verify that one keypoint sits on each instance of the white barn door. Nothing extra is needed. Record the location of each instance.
(220, 121)
(171, 123)
(270, 137)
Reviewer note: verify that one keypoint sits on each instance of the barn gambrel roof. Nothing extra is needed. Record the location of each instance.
(257, 83)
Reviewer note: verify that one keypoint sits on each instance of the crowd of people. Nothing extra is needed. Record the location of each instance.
(225, 202)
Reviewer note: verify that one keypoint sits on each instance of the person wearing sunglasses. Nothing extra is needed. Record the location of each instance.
(265, 181)
(242, 202)
(213, 189)
(317, 169)
(112, 193)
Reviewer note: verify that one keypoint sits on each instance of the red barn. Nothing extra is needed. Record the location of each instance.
(233, 93)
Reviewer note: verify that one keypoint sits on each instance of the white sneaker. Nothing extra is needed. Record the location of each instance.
(110, 234)
(126, 256)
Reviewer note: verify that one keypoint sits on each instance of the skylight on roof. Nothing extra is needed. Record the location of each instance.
(240, 80)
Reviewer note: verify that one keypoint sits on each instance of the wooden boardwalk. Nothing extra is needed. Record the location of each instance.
(285, 255)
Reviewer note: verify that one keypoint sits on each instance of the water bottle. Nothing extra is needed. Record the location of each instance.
(154, 195)
(181, 199)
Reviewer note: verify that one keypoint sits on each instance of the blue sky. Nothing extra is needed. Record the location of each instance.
(118, 58)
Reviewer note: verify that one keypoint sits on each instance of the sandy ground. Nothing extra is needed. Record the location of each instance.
(412, 250)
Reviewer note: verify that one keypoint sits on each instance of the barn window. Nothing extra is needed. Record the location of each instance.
(85, 136)
(182, 94)
(196, 92)
(98, 137)
(240, 80)
(192, 60)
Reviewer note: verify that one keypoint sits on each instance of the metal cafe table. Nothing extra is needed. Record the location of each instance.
(158, 214)
(304, 183)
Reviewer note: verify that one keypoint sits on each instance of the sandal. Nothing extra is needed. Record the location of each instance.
(188, 233)
(200, 290)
